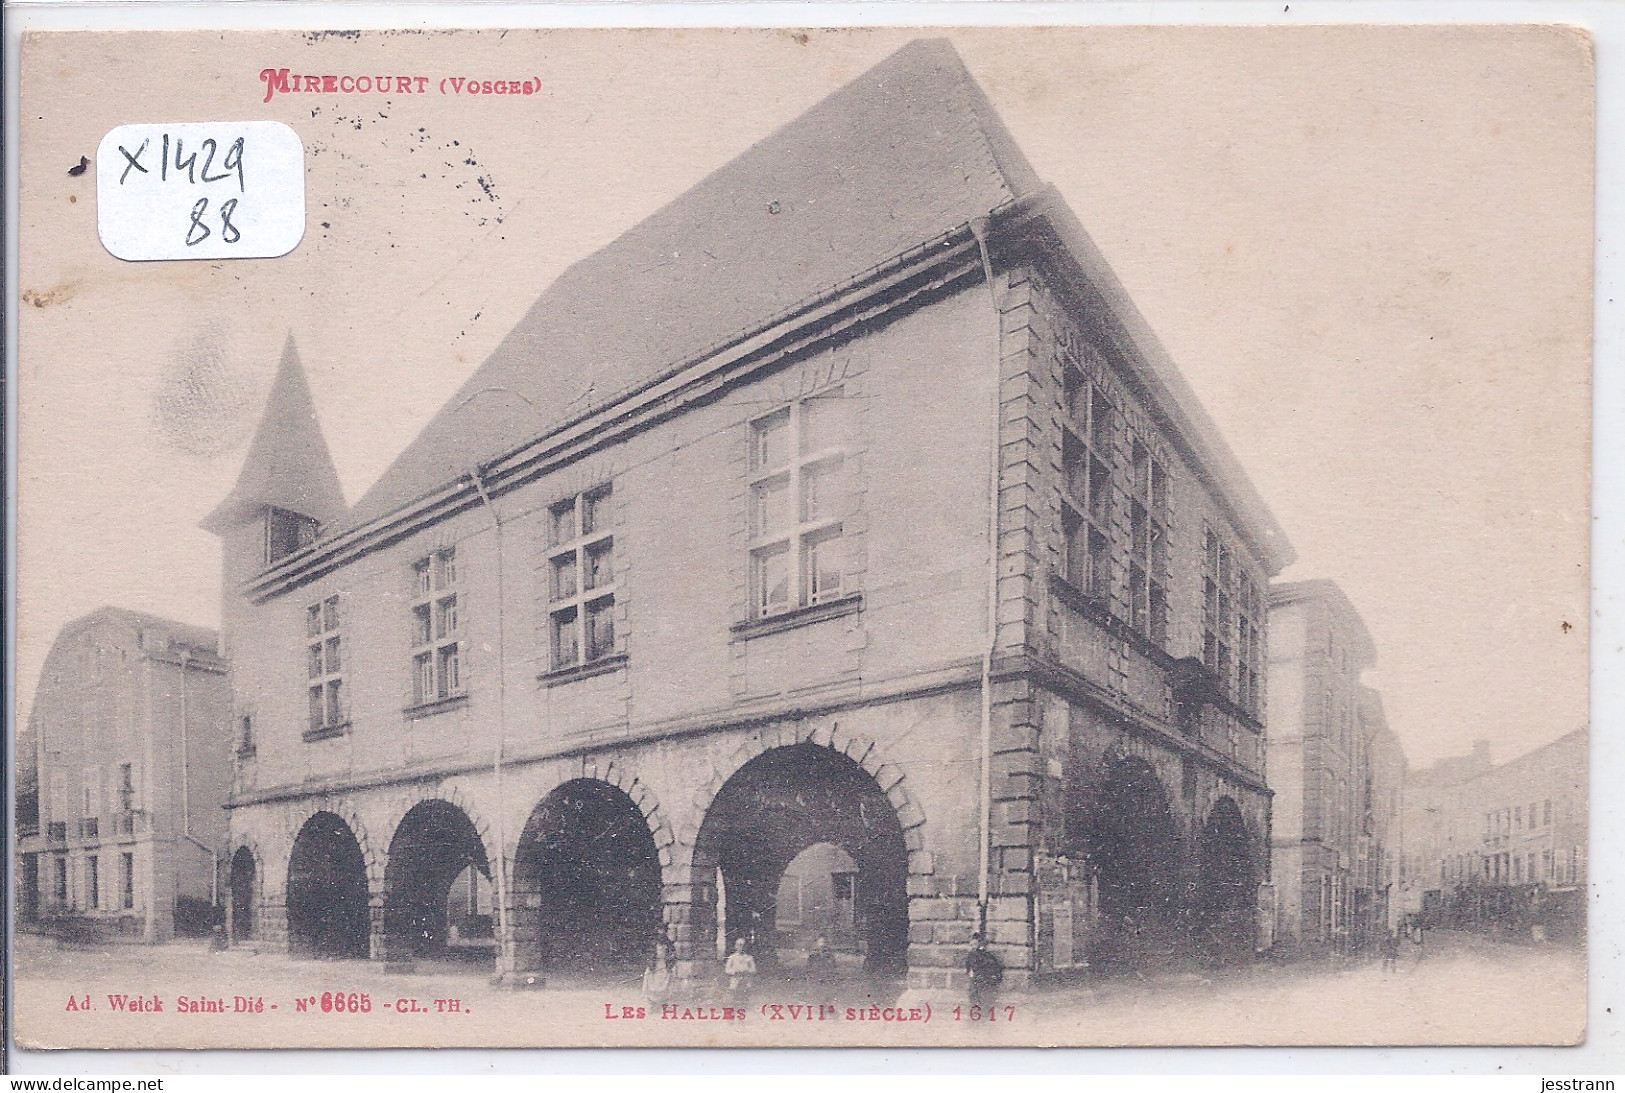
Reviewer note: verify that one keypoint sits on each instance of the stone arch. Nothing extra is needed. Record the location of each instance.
(860, 749)
(1226, 890)
(246, 841)
(245, 893)
(589, 876)
(327, 891)
(825, 786)
(619, 775)
(433, 845)
(345, 809)
(1131, 836)
(453, 794)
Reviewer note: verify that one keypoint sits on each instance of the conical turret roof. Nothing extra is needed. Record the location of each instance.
(288, 465)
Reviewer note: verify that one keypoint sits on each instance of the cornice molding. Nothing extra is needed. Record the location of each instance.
(908, 280)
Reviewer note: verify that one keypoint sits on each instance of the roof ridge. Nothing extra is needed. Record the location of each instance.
(896, 157)
(174, 627)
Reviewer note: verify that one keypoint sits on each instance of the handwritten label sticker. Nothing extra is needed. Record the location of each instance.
(201, 190)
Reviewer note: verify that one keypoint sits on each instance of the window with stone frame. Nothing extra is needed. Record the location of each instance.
(1148, 554)
(287, 533)
(1086, 485)
(1217, 614)
(437, 629)
(581, 576)
(324, 641)
(1232, 624)
(1249, 620)
(800, 495)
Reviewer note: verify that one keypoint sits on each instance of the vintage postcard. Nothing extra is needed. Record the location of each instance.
(906, 537)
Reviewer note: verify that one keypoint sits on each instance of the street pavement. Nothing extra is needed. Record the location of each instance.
(1454, 989)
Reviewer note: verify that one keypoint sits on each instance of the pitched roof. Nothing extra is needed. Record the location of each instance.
(160, 631)
(1330, 593)
(906, 152)
(288, 464)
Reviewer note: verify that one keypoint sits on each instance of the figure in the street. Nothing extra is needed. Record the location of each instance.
(1390, 950)
(657, 976)
(740, 969)
(985, 971)
(820, 961)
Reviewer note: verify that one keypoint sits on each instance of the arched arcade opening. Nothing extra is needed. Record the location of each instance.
(1226, 893)
(1133, 844)
(327, 891)
(587, 884)
(786, 803)
(244, 890)
(434, 881)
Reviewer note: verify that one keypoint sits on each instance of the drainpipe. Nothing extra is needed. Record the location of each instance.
(186, 781)
(979, 228)
(149, 771)
(504, 939)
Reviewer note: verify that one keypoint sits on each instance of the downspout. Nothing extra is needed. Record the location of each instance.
(979, 227)
(504, 938)
(149, 773)
(186, 780)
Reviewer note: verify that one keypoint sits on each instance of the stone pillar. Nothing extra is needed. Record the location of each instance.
(691, 922)
(1010, 938)
(1017, 777)
(942, 916)
(377, 940)
(505, 923)
(272, 928)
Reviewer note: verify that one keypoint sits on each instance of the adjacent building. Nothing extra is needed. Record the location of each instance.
(844, 505)
(122, 776)
(1337, 771)
(1502, 847)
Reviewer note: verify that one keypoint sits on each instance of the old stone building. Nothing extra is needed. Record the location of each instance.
(1502, 847)
(846, 501)
(1337, 771)
(122, 776)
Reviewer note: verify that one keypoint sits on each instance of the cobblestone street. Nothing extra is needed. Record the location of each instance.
(1456, 990)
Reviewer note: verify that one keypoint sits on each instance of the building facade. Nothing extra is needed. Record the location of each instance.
(123, 772)
(1503, 848)
(1384, 807)
(1337, 772)
(880, 520)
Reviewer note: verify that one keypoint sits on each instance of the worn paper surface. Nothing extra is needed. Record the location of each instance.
(1363, 253)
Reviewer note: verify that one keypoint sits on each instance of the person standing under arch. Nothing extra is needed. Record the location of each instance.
(985, 971)
(740, 969)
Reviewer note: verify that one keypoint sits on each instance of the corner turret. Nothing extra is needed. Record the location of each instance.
(288, 489)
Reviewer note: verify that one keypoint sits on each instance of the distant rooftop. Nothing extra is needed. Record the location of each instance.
(155, 630)
(1337, 601)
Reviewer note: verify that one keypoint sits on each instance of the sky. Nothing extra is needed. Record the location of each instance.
(1367, 249)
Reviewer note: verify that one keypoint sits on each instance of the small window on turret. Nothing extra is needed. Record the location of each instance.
(287, 533)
